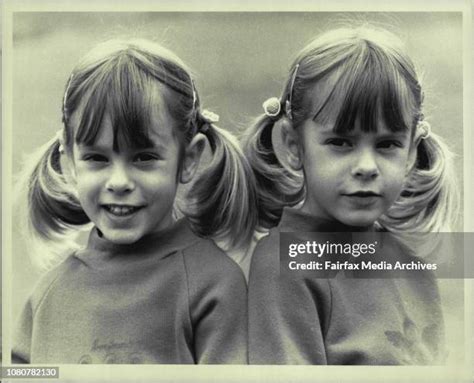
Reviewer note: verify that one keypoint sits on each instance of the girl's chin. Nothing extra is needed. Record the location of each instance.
(121, 237)
(358, 220)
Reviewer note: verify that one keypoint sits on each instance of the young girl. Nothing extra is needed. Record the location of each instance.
(147, 288)
(351, 122)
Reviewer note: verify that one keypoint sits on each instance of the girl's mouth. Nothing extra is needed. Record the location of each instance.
(363, 194)
(363, 199)
(121, 210)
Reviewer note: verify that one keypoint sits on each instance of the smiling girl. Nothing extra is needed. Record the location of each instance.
(147, 288)
(351, 123)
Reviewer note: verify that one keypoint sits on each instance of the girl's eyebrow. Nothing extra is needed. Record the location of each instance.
(399, 135)
(157, 145)
(331, 132)
(100, 148)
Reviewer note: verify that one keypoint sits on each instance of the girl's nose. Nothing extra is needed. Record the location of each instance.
(119, 180)
(365, 166)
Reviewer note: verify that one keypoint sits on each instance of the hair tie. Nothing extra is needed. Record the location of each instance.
(209, 118)
(272, 107)
(425, 127)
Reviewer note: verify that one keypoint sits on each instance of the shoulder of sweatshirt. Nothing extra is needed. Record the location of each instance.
(51, 278)
(267, 249)
(206, 263)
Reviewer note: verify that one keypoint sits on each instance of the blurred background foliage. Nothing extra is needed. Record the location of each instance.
(239, 60)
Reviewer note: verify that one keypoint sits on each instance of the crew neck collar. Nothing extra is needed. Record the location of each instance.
(294, 219)
(165, 241)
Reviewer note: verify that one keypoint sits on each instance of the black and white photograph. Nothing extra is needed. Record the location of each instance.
(273, 193)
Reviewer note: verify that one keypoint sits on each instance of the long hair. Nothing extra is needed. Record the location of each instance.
(120, 78)
(365, 75)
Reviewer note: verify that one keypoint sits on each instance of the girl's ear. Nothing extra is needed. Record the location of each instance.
(67, 164)
(420, 134)
(192, 156)
(412, 157)
(291, 142)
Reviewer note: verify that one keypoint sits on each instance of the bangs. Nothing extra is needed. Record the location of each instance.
(369, 89)
(126, 93)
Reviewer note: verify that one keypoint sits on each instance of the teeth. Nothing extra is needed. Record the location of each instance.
(121, 210)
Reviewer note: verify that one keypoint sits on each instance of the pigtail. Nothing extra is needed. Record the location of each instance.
(429, 202)
(47, 207)
(224, 196)
(277, 186)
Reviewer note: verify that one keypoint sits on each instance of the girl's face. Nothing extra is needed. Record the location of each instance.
(355, 177)
(129, 193)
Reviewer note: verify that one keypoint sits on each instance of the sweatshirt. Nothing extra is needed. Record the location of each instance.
(303, 319)
(171, 297)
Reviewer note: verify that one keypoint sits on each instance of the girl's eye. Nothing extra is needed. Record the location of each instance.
(389, 144)
(145, 157)
(340, 143)
(95, 158)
